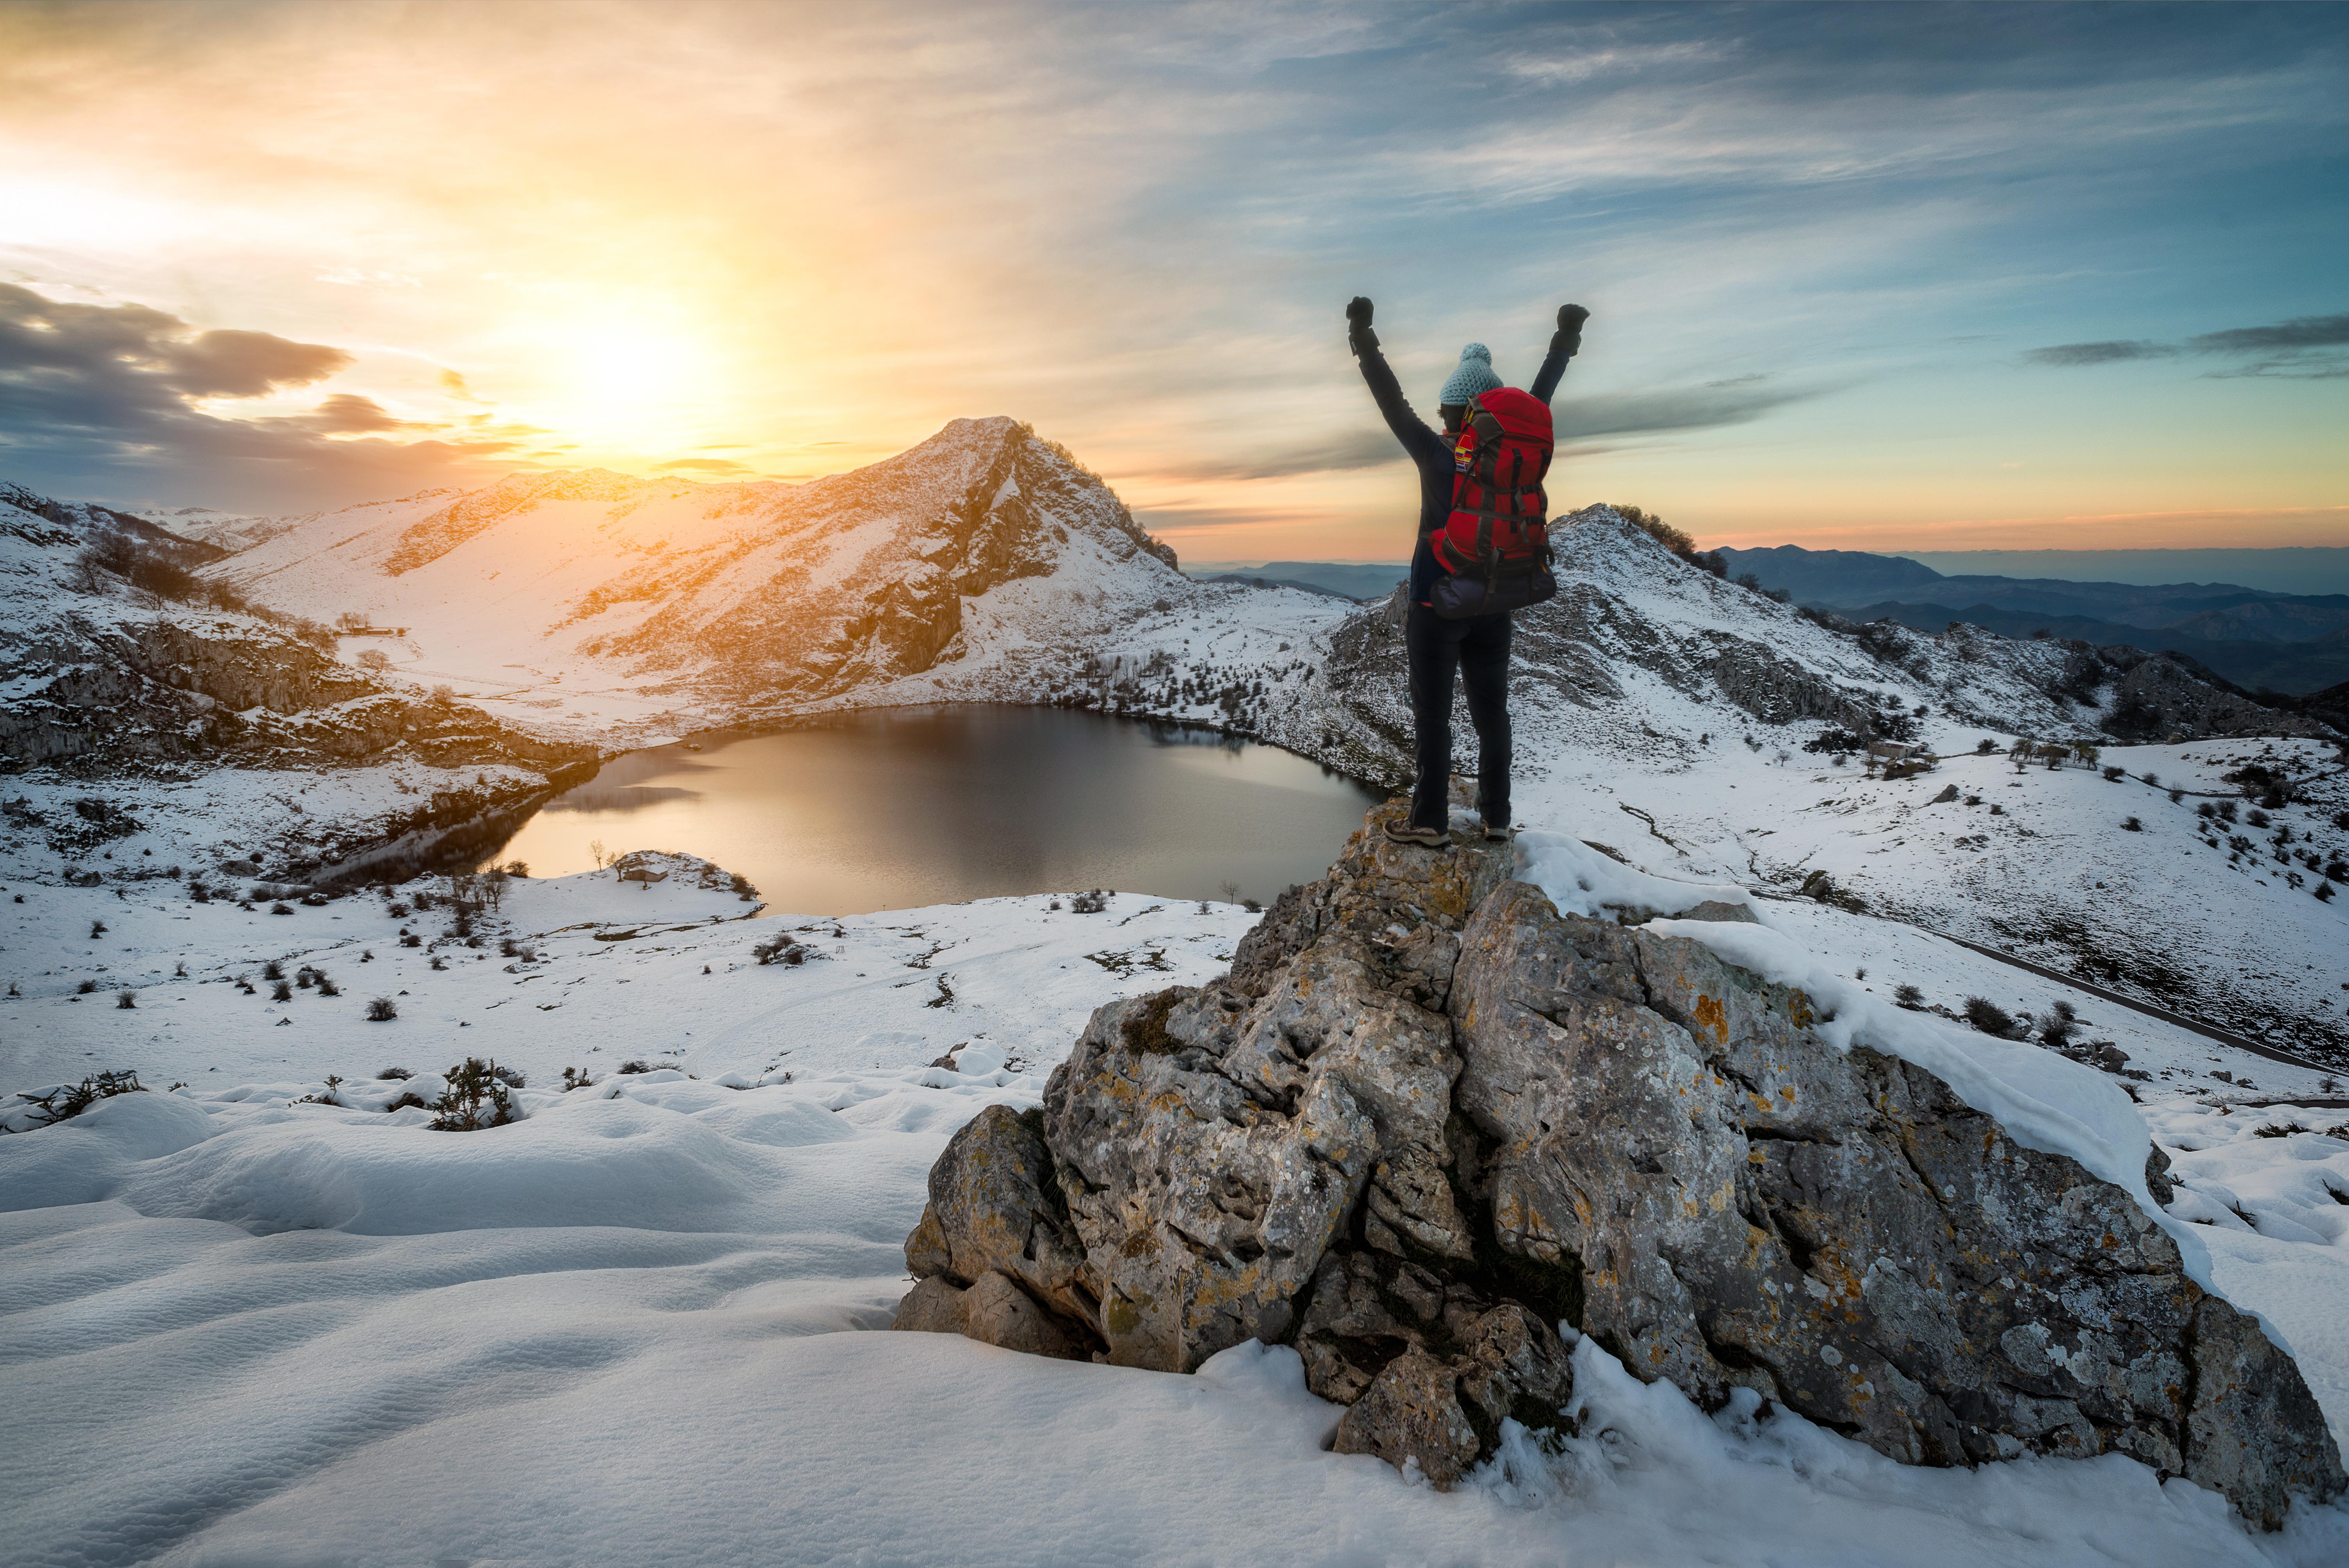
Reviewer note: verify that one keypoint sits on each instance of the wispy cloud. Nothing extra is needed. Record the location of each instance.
(2067, 355)
(2293, 350)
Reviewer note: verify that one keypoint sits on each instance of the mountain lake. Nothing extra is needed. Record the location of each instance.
(897, 807)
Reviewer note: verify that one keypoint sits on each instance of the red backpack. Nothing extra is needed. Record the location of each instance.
(1495, 547)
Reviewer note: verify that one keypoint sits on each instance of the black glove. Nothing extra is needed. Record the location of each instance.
(1570, 318)
(1358, 324)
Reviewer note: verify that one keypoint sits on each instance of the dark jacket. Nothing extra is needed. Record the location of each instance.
(1431, 452)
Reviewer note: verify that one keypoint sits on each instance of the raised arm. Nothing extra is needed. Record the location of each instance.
(1564, 345)
(1409, 429)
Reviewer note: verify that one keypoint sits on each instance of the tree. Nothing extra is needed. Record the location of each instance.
(375, 659)
(595, 852)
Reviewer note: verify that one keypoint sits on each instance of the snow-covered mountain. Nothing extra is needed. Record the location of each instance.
(664, 603)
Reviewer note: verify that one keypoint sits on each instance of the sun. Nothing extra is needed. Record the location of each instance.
(621, 373)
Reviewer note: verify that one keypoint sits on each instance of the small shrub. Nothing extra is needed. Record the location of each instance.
(2205, 810)
(2151, 780)
(476, 1099)
(97, 928)
(780, 948)
(409, 1100)
(2256, 818)
(1988, 1017)
(382, 1010)
(281, 992)
(2324, 893)
(1996, 810)
(64, 1104)
(1909, 997)
(1252, 906)
(574, 1078)
(2176, 796)
(125, 999)
(273, 970)
(2113, 774)
(2225, 810)
(506, 946)
(438, 962)
(1985, 747)
(2131, 825)
(394, 1075)
(635, 1065)
(86, 987)
(409, 938)
(1091, 902)
(281, 907)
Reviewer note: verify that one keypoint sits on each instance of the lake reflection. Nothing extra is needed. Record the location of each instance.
(911, 806)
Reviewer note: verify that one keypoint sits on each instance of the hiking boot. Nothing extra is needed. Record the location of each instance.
(1498, 833)
(1423, 838)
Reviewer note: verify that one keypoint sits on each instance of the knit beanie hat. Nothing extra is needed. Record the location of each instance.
(1473, 376)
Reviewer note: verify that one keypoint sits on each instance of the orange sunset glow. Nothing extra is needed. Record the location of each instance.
(757, 241)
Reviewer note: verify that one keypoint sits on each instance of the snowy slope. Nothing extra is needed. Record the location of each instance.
(144, 733)
(633, 1327)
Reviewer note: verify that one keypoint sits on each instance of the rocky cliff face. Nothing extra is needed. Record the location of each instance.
(1427, 1119)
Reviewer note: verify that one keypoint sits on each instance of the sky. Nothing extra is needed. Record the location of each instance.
(1920, 277)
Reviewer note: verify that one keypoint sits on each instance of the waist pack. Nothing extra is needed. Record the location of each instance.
(1495, 547)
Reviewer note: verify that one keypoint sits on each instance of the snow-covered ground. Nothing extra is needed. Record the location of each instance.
(241, 1324)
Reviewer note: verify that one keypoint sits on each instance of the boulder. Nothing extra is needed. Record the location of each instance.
(1748, 1206)
(1428, 1120)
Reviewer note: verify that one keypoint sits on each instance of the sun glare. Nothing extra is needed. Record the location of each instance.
(620, 374)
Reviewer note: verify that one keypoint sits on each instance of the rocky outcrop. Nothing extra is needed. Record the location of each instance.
(1427, 1121)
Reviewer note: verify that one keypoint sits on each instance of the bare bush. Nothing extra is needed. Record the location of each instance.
(476, 1099)
(1988, 1017)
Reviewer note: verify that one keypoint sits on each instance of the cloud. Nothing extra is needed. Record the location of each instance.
(348, 414)
(1734, 402)
(2299, 332)
(2289, 343)
(1367, 448)
(112, 396)
(704, 465)
(2065, 354)
(1578, 420)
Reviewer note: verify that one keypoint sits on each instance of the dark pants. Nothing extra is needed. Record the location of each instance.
(1478, 650)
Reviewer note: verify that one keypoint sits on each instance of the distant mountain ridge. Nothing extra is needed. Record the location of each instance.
(1352, 580)
(2254, 637)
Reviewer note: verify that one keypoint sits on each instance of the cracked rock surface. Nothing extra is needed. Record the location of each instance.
(1427, 1119)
